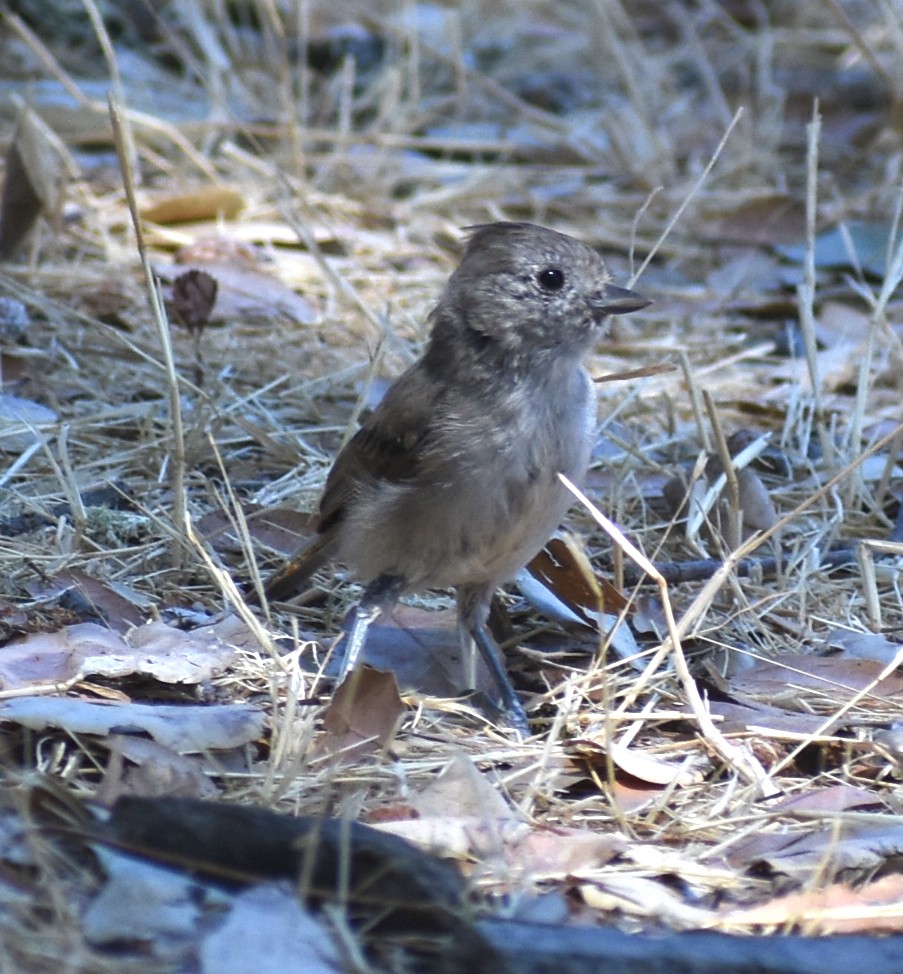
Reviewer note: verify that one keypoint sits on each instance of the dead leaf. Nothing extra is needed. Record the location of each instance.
(561, 583)
(251, 297)
(564, 570)
(192, 299)
(18, 419)
(152, 770)
(464, 838)
(185, 729)
(362, 716)
(760, 718)
(267, 921)
(769, 218)
(863, 645)
(280, 528)
(639, 896)
(14, 322)
(559, 853)
(838, 909)
(205, 203)
(216, 248)
(639, 764)
(756, 505)
(852, 849)
(462, 791)
(423, 650)
(831, 680)
(508, 846)
(34, 181)
(87, 649)
(120, 608)
(855, 243)
(835, 798)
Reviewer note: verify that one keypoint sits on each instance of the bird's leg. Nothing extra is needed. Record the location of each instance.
(379, 596)
(473, 612)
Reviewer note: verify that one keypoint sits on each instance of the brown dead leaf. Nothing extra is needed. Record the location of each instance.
(362, 716)
(836, 798)
(560, 583)
(631, 795)
(217, 248)
(120, 608)
(192, 299)
(770, 218)
(280, 528)
(760, 718)
(460, 791)
(756, 505)
(838, 909)
(563, 568)
(783, 679)
(853, 850)
(251, 297)
(142, 767)
(558, 853)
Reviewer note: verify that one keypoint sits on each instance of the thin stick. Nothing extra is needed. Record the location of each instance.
(806, 289)
(704, 175)
(732, 485)
(124, 142)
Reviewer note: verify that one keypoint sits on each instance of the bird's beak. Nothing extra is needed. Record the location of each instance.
(614, 300)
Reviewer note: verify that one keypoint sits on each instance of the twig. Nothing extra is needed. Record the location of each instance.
(694, 189)
(123, 140)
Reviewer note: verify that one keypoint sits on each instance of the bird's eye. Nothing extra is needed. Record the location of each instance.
(550, 279)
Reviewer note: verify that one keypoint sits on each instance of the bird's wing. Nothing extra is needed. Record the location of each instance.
(393, 446)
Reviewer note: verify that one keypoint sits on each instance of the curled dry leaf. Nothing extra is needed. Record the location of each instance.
(192, 299)
(640, 896)
(251, 296)
(560, 583)
(641, 765)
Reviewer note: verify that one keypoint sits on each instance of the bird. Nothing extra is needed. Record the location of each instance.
(452, 480)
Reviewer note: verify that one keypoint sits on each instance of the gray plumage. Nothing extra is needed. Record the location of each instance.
(452, 480)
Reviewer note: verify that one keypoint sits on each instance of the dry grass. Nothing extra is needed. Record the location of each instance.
(354, 184)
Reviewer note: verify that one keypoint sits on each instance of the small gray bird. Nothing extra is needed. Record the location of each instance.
(452, 481)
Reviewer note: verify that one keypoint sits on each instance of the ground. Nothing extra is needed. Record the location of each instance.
(739, 163)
